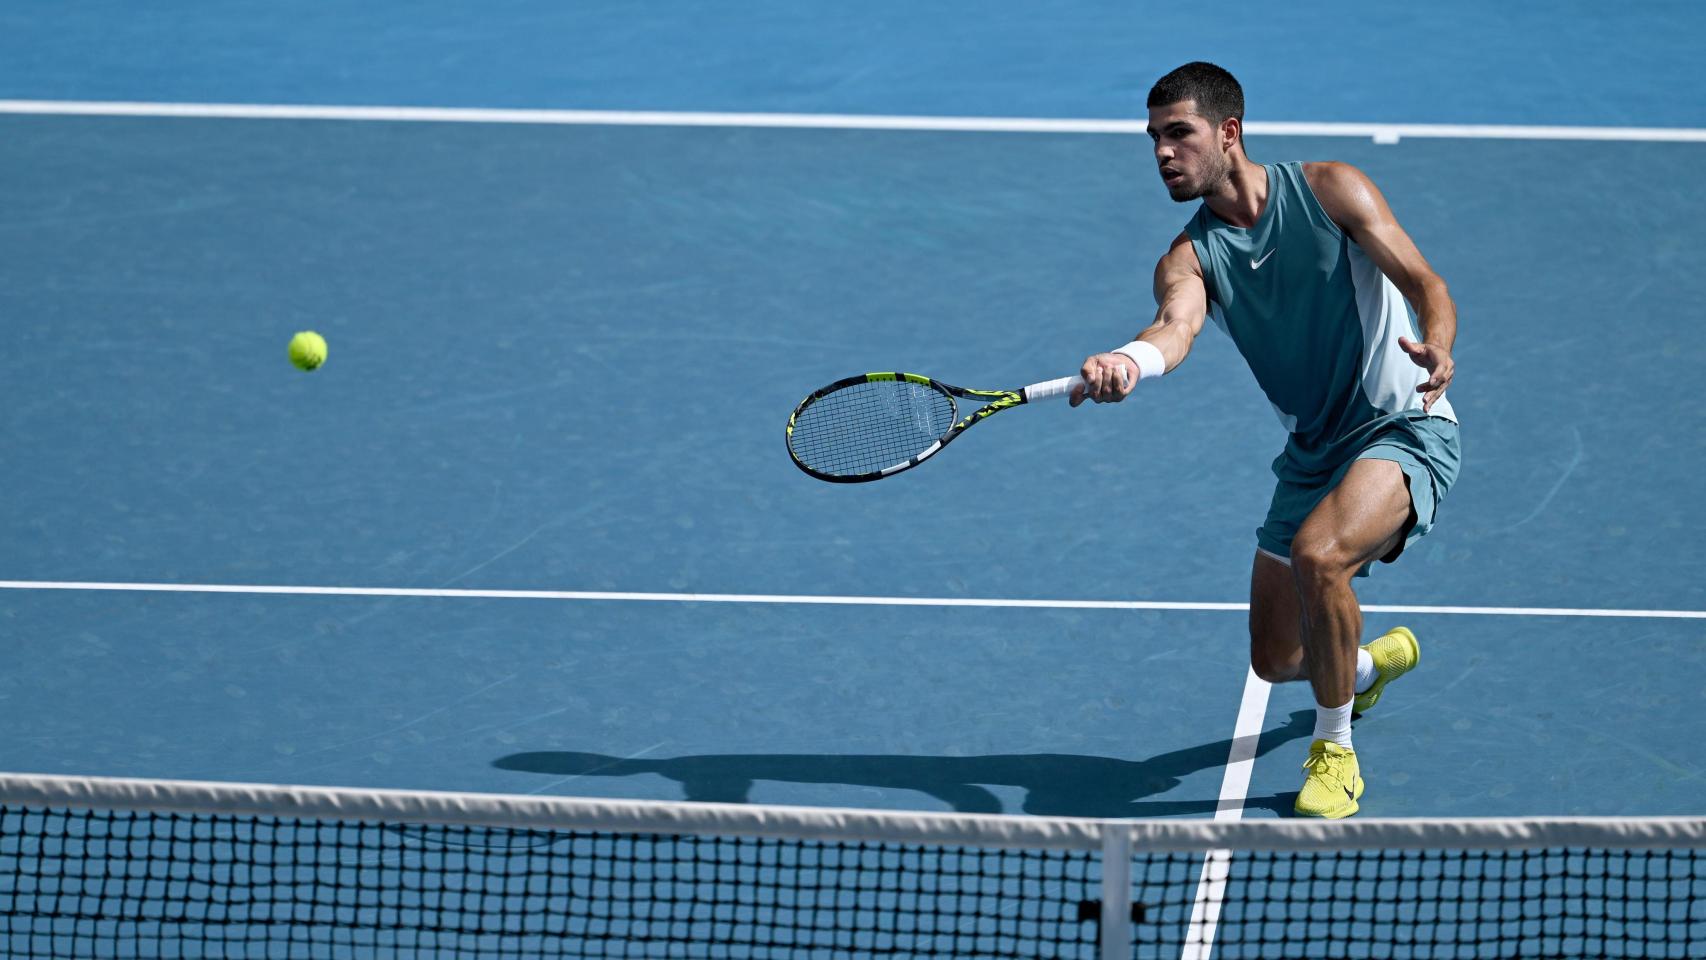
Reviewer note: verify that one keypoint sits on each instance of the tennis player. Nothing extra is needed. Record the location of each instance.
(1304, 266)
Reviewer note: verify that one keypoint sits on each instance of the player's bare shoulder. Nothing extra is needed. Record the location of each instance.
(1180, 259)
(1334, 176)
(1347, 194)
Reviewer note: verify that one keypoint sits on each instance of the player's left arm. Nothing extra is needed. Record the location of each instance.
(1355, 204)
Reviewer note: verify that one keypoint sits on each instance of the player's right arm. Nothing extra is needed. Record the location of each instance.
(1182, 306)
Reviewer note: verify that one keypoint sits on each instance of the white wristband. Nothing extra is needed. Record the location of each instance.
(1150, 362)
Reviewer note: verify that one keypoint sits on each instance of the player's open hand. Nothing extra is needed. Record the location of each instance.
(1108, 378)
(1437, 362)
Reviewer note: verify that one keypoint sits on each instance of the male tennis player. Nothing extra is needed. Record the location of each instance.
(1305, 268)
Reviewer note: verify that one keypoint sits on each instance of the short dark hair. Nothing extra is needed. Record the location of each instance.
(1216, 92)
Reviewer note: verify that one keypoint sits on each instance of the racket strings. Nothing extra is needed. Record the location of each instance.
(867, 427)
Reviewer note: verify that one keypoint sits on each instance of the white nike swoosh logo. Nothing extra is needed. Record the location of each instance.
(1257, 264)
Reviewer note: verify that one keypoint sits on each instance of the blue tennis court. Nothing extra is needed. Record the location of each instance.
(532, 529)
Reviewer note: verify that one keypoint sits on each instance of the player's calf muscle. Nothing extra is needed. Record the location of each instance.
(1276, 645)
(1276, 650)
(1276, 666)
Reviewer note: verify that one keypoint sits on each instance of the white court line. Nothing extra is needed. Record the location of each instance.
(311, 591)
(476, 594)
(1234, 787)
(1378, 132)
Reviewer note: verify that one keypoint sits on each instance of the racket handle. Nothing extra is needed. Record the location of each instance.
(1049, 389)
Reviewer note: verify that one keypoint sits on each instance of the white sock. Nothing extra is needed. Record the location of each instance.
(1366, 674)
(1334, 723)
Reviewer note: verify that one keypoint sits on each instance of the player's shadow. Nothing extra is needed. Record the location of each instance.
(1054, 784)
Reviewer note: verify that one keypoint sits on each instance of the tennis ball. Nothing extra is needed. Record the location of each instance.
(307, 350)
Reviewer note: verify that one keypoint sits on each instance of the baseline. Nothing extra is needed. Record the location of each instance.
(1384, 133)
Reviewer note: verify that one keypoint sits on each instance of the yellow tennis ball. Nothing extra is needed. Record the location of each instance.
(307, 350)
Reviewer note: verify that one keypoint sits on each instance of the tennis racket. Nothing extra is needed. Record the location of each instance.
(879, 424)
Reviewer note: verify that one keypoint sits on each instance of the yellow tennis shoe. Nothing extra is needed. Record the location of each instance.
(1334, 782)
(1394, 655)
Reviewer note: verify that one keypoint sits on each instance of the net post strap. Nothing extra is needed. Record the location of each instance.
(1116, 934)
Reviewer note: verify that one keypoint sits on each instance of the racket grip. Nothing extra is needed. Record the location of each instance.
(1050, 389)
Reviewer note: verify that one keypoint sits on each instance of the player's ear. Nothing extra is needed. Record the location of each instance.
(1231, 133)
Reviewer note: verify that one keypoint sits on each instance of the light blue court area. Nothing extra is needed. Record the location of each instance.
(1042, 712)
(1045, 712)
(562, 358)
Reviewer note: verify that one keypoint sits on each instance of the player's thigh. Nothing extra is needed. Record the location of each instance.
(1360, 521)
(1276, 621)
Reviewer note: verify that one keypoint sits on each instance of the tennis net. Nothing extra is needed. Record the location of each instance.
(96, 867)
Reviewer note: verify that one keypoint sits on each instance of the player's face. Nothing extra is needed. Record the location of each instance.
(1188, 151)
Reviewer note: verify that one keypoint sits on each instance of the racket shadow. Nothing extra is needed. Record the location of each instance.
(1054, 784)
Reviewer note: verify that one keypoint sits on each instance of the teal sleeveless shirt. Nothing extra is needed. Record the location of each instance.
(1317, 322)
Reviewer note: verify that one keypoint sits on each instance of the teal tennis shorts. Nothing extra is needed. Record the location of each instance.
(1426, 448)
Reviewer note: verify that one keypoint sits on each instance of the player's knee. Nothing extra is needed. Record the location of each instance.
(1275, 655)
(1320, 559)
(1271, 668)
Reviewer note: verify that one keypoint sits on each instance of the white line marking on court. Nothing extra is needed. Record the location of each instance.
(1241, 759)
(309, 591)
(1234, 787)
(1378, 132)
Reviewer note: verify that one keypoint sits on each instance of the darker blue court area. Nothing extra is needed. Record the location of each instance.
(562, 358)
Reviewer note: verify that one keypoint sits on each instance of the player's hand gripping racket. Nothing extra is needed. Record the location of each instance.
(878, 424)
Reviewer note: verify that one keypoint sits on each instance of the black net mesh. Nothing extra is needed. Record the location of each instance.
(79, 884)
(97, 883)
(1423, 904)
